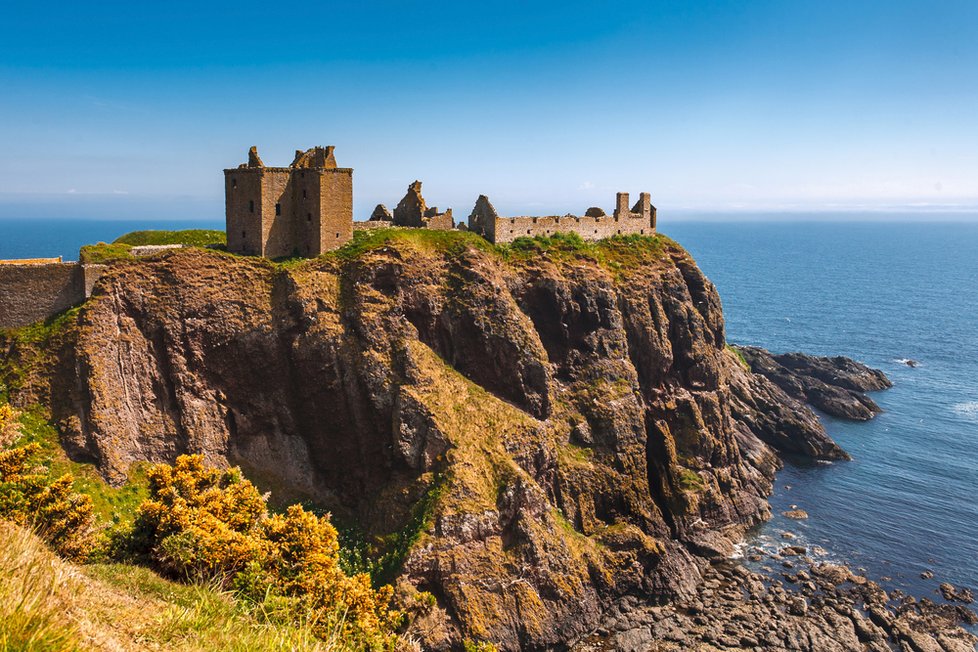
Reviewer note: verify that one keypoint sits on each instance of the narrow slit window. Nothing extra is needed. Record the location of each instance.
(234, 183)
(251, 205)
(309, 217)
(278, 209)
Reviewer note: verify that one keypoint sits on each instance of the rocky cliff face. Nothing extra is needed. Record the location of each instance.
(541, 434)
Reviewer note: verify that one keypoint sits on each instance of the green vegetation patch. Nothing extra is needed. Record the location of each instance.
(103, 253)
(29, 348)
(741, 360)
(190, 237)
(690, 480)
(110, 504)
(382, 560)
(618, 253)
(447, 241)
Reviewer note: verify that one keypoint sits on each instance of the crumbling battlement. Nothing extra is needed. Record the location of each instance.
(594, 225)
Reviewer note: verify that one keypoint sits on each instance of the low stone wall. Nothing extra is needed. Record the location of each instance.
(31, 292)
(149, 250)
(508, 229)
(372, 224)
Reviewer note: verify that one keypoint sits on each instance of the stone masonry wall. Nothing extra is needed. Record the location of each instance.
(507, 229)
(242, 191)
(30, 293)
(337, 208)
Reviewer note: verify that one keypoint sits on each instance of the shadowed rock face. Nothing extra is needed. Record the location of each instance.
(564, 432)
(834, 385)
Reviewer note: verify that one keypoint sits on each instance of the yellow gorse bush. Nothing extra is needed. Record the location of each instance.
(30, 496)
(202, 522)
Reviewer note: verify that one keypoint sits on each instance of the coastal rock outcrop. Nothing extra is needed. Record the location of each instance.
(835, 385)
(526, 437)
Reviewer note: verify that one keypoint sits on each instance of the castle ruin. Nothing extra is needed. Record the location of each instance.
(305, 209)
(413, 211)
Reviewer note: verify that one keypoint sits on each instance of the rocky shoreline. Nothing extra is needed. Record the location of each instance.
(815, 607)
(835, 385)
(794, 601)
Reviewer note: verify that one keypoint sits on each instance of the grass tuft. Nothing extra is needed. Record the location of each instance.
(191, 237)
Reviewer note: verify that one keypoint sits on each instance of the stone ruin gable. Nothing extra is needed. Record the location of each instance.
(305, 209)
(381, 214)
(414, 212)
(32, 292)
(482, 219)
(594, 225)
(411, 209)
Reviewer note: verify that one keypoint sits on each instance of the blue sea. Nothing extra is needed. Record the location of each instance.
(878, 292)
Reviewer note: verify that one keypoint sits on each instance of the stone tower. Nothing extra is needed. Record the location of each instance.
(303, 210)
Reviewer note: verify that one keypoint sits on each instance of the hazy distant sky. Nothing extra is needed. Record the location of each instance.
(133, 109)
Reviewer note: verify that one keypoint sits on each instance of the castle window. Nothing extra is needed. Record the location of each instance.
(251, 205)
(234, 182)
(309, 217)
(642, 231)
(303, 193)
(337, 235)
(278, 209)
(243, 235)
(528, 231)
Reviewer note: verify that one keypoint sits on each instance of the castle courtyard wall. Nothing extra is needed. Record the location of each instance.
(507, 229)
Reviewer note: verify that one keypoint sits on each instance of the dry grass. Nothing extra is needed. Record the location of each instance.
(49, 604)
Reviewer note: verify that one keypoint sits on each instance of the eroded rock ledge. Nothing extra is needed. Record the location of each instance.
(819, 607)
(836, 385)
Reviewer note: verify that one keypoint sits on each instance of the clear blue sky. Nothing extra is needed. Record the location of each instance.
(133, 109)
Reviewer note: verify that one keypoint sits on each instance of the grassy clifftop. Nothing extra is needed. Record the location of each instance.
(121, 247)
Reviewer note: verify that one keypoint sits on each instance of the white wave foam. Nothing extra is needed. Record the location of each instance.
(968, 410)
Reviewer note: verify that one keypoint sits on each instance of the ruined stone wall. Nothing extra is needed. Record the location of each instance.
(337, 208)
(507, 229)
(242, 194)
(30, 293)
(440, 221)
